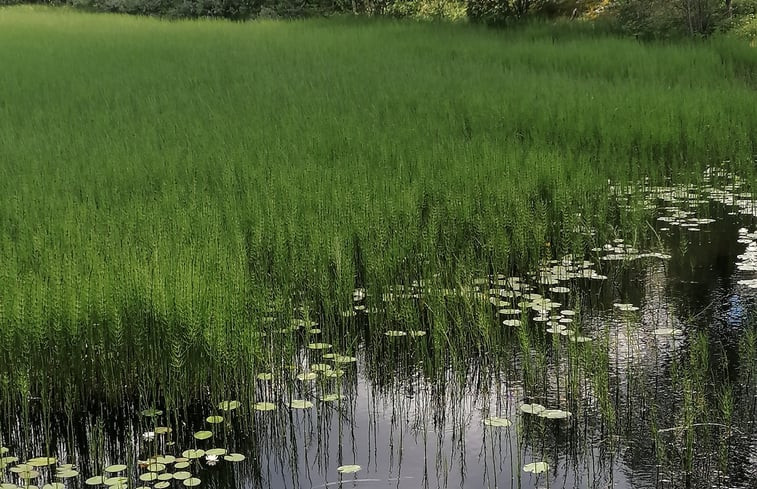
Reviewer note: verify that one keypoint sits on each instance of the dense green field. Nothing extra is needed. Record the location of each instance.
(165, 185)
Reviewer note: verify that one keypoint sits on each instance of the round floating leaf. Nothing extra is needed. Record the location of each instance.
(332, 374)
(497, 422)
(8, 460)
(395, 333)
(234, 457)
(217, 452)
(416, 334)
(319, 346)
(94, 481)
(180, 476)
(152, 412)
(329, 355)
(21, 468)
(307, 376)
(54, 485)
(320, 367)
(536, 467)
(667, 332)
(348, 469)
(264, 376)
(229, 405)
(66, 473)
(28, 474)
(555, 414)
(41, 461)
(532, 408)
(203, 435)
(344, 359)
(162, 485)
(512, 322)
(264, 406)
(5, 485)
(116, 481)
(192, 454)
(165, 459)
(214, 419)
(300, 404)
(148, 477)
(162, 430)
(166, 476)
(191, 482)
(4, 450)
(156, 467)
(65, 467)
(180, 465)
(115, 468)
(331, 397)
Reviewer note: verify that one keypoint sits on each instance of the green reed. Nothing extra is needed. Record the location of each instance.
(167, 185)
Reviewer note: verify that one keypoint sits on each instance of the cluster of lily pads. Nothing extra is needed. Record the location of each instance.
(33, 470)
(535, 410)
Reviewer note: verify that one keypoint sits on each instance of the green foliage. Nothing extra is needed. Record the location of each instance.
(661, 19)
(166, 189)
(427, 9)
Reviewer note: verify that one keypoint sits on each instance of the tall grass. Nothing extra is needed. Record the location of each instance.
(164, 186)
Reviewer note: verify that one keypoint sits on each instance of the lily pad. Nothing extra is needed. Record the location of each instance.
(183, 475)
(319, 346)
(41, 461)
(395, 333)
(348, 469)
(234, 457)
(180, 465)
(331, 397)
(217, 452)
(214, 419)
(264, 376)
(229, 405)
(156, 467)
(554, 414)
(152, 412)
(344, 359)
(66, 473)
(165, 459)
(162, 485)
(162, 430)
(497, 422)
(532, 408)
(203, 435)
(166, 476)
(192, 482)
(94, 481)
(54, 485)
(264, 406)
(667, 332)
(115, 481)
(536, 467)
(113, 469)
(148, 477)
(300, 404)
(192, 454)
(307, 376)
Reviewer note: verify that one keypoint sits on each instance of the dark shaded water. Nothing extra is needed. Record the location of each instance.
(664, 396)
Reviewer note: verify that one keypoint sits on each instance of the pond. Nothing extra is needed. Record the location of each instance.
(624, 368)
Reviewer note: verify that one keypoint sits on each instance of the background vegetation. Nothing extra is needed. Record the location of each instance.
(640, 18)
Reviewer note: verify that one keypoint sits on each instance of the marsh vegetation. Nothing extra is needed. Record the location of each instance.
(289, 254)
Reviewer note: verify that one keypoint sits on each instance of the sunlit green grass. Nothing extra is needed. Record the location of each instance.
(161, 183)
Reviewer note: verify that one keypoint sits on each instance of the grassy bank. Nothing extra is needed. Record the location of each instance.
(166, 185)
